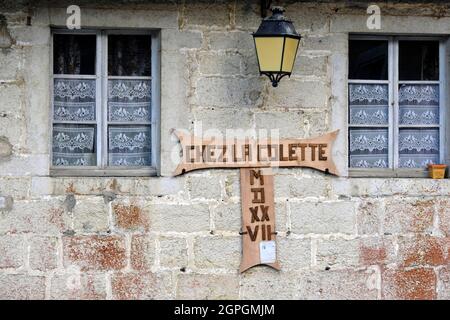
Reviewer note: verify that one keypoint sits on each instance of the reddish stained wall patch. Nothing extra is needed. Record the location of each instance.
(372, 255)
(130, 217)
(422, 215)
(95, 252)
(56, 217)
(414, 284)
(142, 251)
(422, 251)
(133, 286)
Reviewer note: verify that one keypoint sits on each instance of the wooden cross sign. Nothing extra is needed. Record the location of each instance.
(255, 159)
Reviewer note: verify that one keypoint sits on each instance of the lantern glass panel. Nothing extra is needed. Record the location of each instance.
(290, 51)
(270, 52)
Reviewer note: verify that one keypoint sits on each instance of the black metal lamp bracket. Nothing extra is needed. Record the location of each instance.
(265, 6)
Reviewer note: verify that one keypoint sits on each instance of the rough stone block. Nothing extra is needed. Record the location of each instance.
(227, 217)
(18, 188)
(339, 284)
(161, 186)
(40, 217)
(26, 165)
(10, 62)
(162, 15)
(377, 251)
(12, 251)
(28, 36)
(94, 252)
(413, 284)
(218, 13)
(90, 215)
(179, 218)
(291, 94)
(309, 18)
(173, 252)
(310, 66)
(235, 40)
(369, 216)
(43, 253)
(217, 252)
(229, 92)
(200, 286)
(41, 186)
(130, 216)
(335, 43)
(11, 96)
(323, 217)
(78, 286)
(443, 209)
(422, 251)
(205, 187)
(294, 254)
(142, 254)
(443, 289)
(224, 122)
(141, 286)
(22, 287)
(408, 215)
(281, 124)
(337, 253)
(173, 39)
(296, 187)
(219, 64)
(233, 186)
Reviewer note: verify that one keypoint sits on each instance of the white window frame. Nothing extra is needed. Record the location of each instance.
(393, 126)
(101, 122)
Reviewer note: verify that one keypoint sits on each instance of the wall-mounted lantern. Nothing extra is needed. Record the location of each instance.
(276, 43)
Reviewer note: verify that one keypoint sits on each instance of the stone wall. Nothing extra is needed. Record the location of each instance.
(165, 237)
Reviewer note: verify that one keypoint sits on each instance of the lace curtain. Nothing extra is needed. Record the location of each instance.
(129, 101)
(73, 145)
(368, 106)
(419, 106)
(74, 101)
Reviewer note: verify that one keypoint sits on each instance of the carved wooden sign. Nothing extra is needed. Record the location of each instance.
(258, 219)
(255, 158)
(207, 153)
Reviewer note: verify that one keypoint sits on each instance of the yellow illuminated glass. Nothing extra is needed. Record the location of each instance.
(290, 50)
(269, 51)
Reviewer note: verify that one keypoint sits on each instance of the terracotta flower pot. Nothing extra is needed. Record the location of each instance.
(437, 171)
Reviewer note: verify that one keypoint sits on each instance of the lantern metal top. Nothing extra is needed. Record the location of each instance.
(276, 25)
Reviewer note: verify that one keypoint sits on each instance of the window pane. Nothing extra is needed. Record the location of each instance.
(369, 148)
(129, 100)
(74, 100)
(74, 54)
(368, 59)
(419, 104)
(419, 60)
(129, 55)
(74, 145)
(418, 147)
(369, 104)
(129, 145)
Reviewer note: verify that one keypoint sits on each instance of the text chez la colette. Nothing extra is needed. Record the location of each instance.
(237, 153)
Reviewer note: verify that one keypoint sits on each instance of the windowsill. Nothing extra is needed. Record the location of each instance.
(387, 173)
(88, 172)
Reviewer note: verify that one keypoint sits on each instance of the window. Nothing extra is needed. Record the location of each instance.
(104, 103)
(395, 103)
